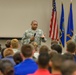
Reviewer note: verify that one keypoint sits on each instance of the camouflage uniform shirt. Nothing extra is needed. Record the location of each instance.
(29, 33)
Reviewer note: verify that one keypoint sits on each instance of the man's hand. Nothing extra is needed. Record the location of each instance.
(32, 38)
(43, 36)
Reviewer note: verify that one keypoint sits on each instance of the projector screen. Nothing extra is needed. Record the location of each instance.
(16, 16)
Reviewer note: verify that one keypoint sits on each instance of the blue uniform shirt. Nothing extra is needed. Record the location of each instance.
(28, 66)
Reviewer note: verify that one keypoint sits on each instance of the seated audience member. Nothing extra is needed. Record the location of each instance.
(28, 65)
(43, 61)
(71, 47)
(35, 45)
(36, 52)
(51, 54)
(55, 63)
(68, 56)
(17, 58)
(8, 44)
(57, 47)
(44, 49)
(15, 45)
(68, 68)
(54, 42)
(6, 67)
(8, 55)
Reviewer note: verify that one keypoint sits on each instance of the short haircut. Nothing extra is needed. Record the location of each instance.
(71, 46)
(54, 42)
(4, 64)
(33, 22)
(43, 49)
(68, 67)
(27, 50)
(8, 43)
(35, 45)
(68, 56)
(56, 61)
(56, 47)
(14, 43)
(17, 57)
(7, 52)
(52, 53)
(43, 60)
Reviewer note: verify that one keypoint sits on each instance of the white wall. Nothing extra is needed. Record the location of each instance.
(16, 16)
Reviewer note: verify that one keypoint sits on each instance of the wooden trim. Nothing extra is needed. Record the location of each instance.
(9, 38)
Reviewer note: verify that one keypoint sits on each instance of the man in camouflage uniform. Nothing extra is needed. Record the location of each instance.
(33, 34)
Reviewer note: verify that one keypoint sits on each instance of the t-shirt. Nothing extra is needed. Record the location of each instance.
(26, 67)
(41, 72)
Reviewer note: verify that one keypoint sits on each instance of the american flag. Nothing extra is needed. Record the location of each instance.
(53, 33)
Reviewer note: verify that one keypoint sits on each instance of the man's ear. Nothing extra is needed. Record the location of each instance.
(18, 45)
(22, 56)
(33, 52)
(11, 46)
(50, 63)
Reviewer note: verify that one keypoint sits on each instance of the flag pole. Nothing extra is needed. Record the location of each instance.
(70, 24)
(61, 1)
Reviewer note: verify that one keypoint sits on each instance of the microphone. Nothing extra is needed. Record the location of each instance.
(32, 38)
(34, 34)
